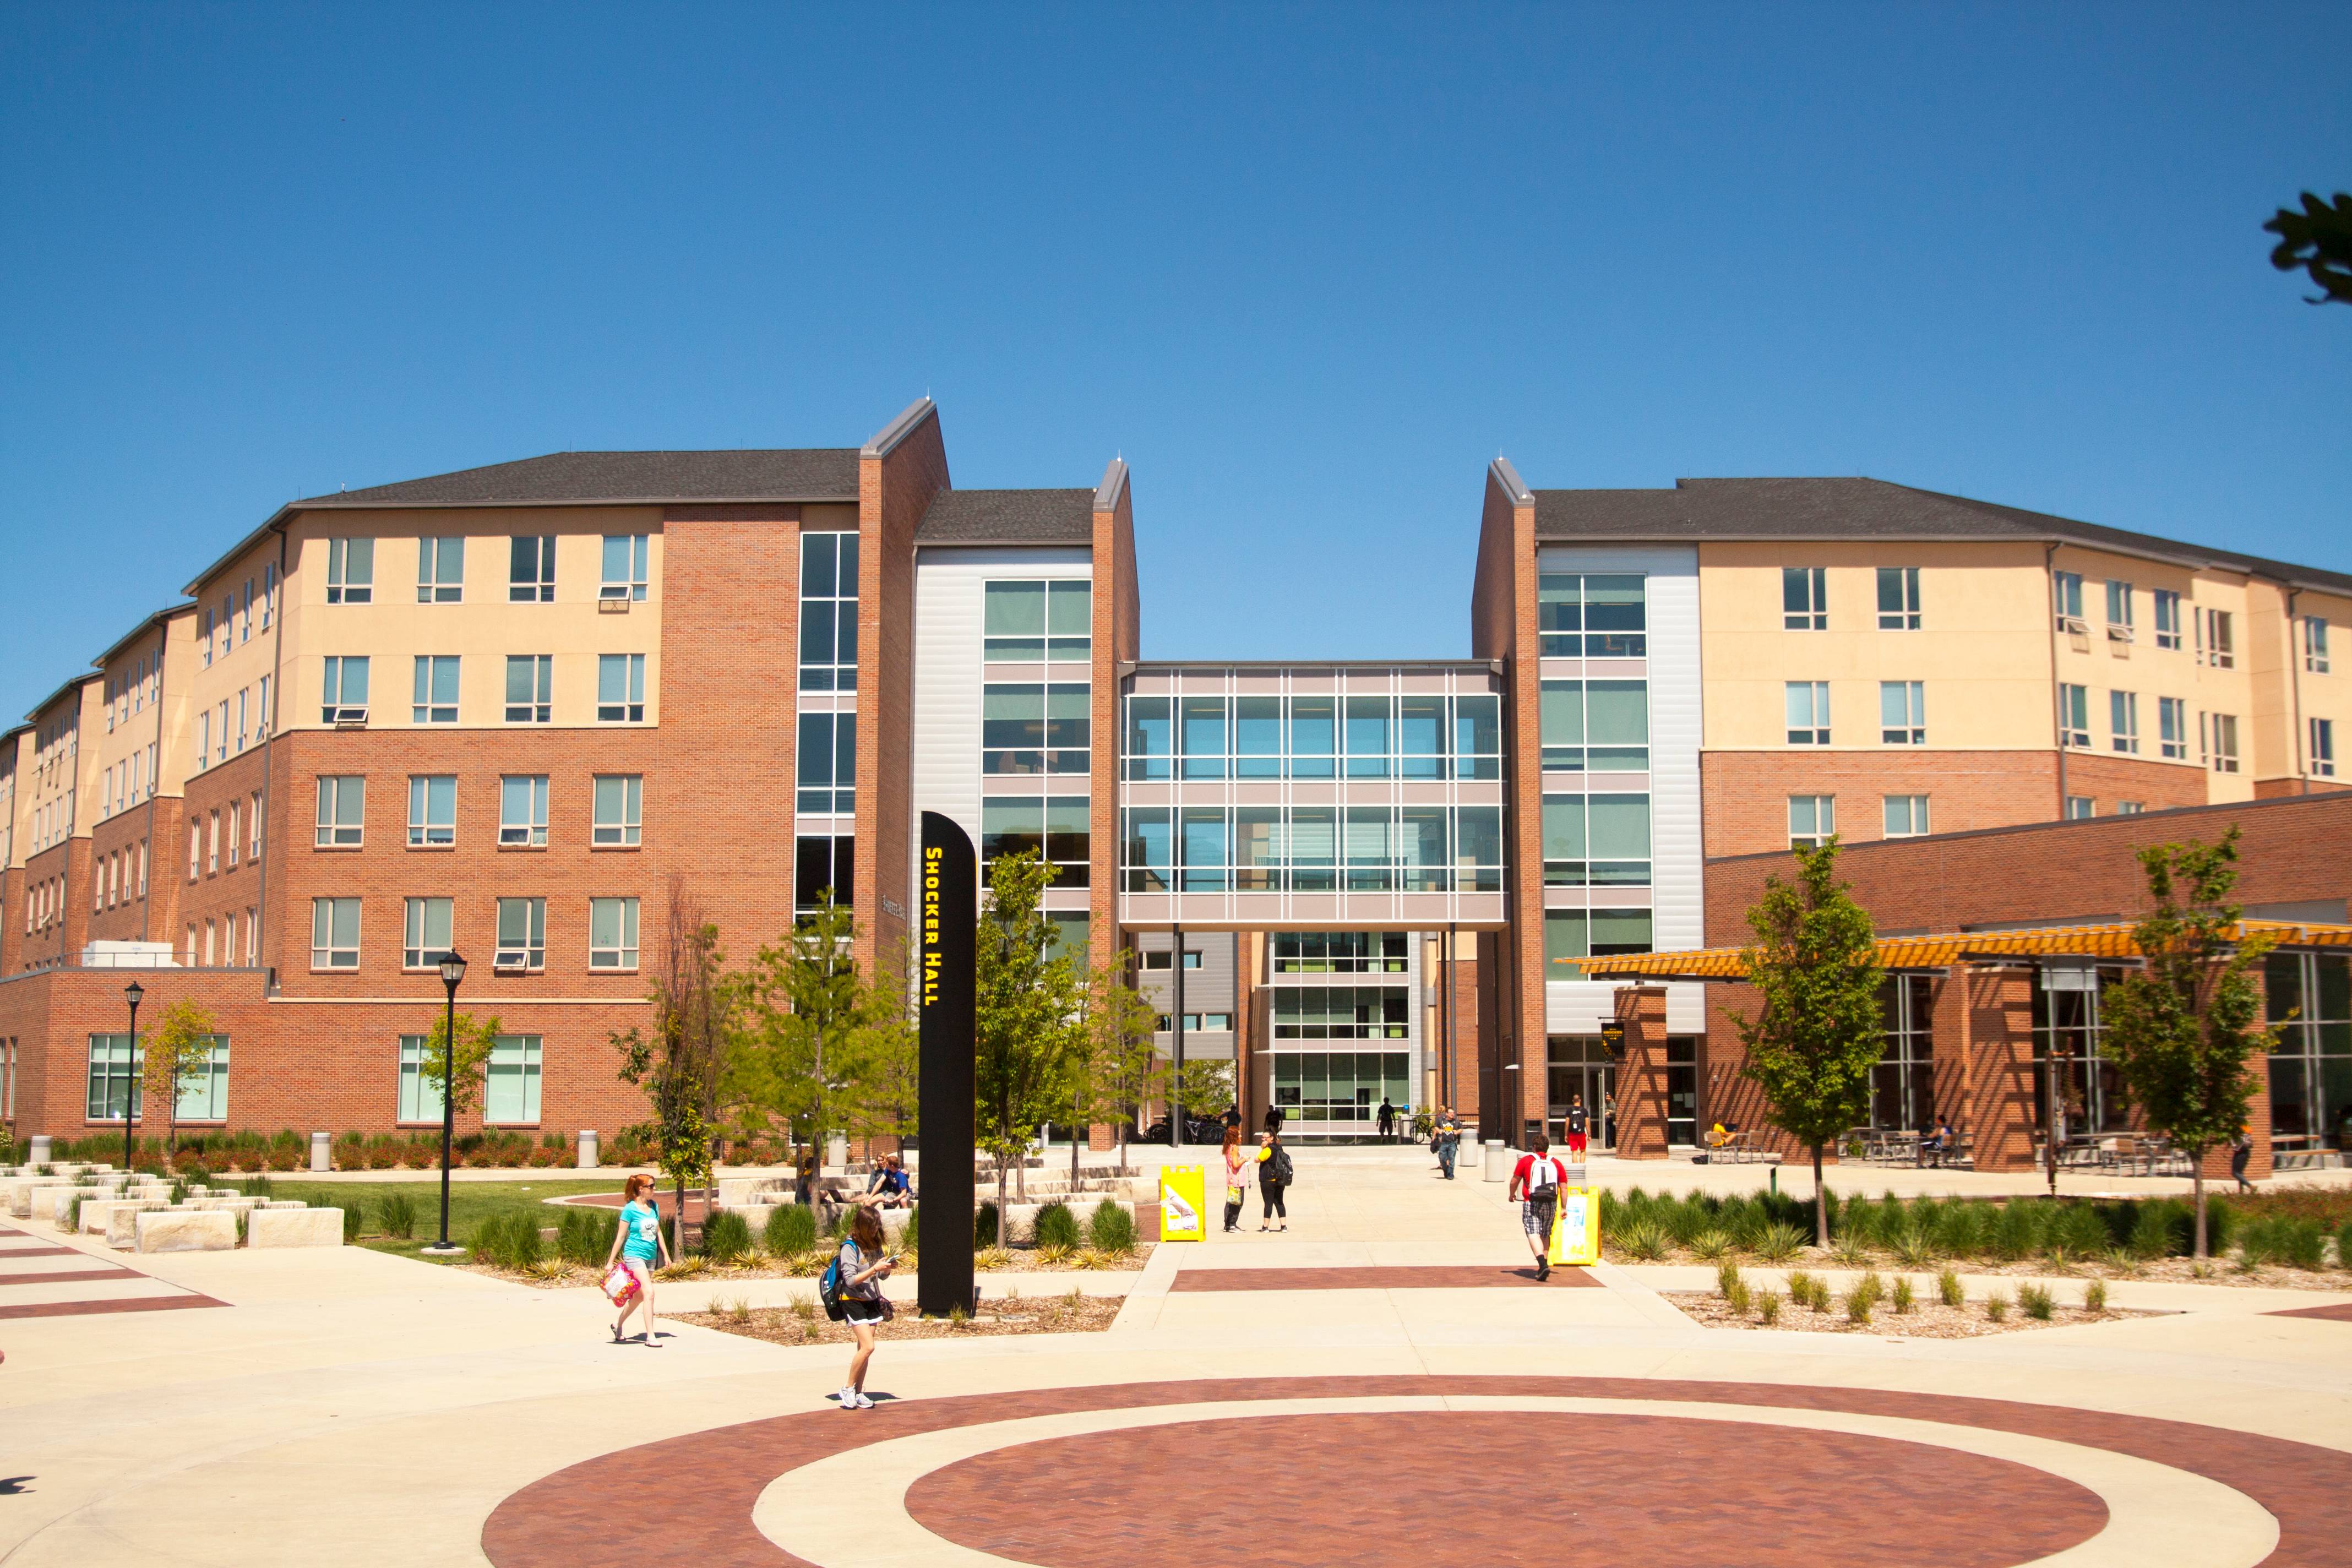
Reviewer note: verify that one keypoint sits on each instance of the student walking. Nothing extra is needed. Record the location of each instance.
(1387, 1119)
(862, 1265)
(637, 1245)
(1447, 1137)
(1579, 1121)
(2242, 1154)
(1273, 1176)
(1536, 1181)
(1238, 1166)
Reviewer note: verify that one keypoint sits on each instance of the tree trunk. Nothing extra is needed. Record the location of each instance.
(1077, 1119)
(2197, 1184)
(1003, 1224)
(1821, 1203)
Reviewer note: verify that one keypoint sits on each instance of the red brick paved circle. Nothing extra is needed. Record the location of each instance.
(1570, 1489)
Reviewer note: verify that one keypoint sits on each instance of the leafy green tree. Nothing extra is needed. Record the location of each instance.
(1028, 1012)
(681, 1063)
(1112, 1066)
(461, 1083)
(823, 1047)
(2184, 1032)
(2317, 240)
(179, 1052)
(1204, 1087)
(1811, 1046)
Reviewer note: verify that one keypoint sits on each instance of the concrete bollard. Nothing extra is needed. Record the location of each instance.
(587, 1149)
(322, 1147)
(40, 1154)
(1497, 1166)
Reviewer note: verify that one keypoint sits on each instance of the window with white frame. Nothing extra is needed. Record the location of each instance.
(1809, 713)
(253, 827)
(620, 688)
(2173, 726)
(619, 798)
(1805, 598)
(2123, 719)
(826, 762)
(2079, 806)
(1049, 620)
(269, 594)
(420, 1096)
(530, 687)
(2314, 644)
(1898, 598)
(2074, 715)
(531, 569)
(1903, 713)
(2220, 731)
(432, 810)
(236, 840)
(522, 810)
(2066, 588)
(1033, 727)
(212, 844)
(435, 697)
(1905, 816)
(2216, 639)
(425, 933)
(334, 933)
(204, 737)
(2167, 617)
(828, 625)
(511, 1080)
(611, 933)
(2323, 747)
(221, 753)
(343, 696)
(440, 571)
(522, 934)
(115, 1066)
(2129, 807)
(207, 641)
(351, 571)
(1813, 820)
(2119, 610)
(625, 559)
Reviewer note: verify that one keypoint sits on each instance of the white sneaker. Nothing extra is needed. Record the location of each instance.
(863, 1403)
(848, 1398)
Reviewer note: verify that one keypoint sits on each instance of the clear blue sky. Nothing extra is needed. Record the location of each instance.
(1308, 270)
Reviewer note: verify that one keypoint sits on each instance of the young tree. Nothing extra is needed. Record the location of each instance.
(681, 1064)
(2183, 1034)
(459, 1081)
(1205, 1086)
(1028, 1012)
(176, 1055)
(1811, 1046)
(1112, 1063)
(823, 1047)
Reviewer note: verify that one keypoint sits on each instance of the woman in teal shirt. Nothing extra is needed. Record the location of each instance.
(637, 1246)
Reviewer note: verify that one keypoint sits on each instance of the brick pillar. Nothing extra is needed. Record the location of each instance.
(1641, 1073)
(1988, 1013)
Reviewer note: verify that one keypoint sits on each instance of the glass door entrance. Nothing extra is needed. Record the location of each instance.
(1580, 1067)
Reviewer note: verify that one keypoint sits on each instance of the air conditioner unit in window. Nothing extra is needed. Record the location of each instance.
(613, 606)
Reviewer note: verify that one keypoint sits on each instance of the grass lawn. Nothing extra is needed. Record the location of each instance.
(470, 1202)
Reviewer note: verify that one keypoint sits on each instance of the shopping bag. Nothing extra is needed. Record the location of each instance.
(620, 1284)
(1576, 1228)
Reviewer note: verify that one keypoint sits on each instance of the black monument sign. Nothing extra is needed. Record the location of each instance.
(949, 913)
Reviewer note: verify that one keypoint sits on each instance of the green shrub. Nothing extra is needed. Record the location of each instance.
(1111, 1228)
(725, 1236)
(258, 1187)
(1737, 1297)
(2094, 1297)
(73, 1215)
(509, 1240)
(2153, 1232)
(1949, 1289)
(1850, 1252)
(792, 1230)
(1727, 1278)
(1857, 1307)
(1711, 1245)
(1806, 1290)
(396, 1216)
(1056, 1226)
(1644, 1240)
(1767, 1308)
(352, 1219)
(2302, 1243)
(1903, 1297)
(2344, 1245)
(1913, 1245)
(1779, 1242)
(2079, 1229)
(1996, 1307)
(1870, 1287)
(584, 1236)
(2036, 1303)
(984, 1225)
(2016, 1230)
(1959, 1227)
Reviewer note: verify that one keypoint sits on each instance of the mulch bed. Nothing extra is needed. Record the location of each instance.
(2223, 1270)
(809, 1265)
(1006, 1314)
(1928, 1318)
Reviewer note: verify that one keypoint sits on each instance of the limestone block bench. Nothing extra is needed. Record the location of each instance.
(294, 1227)
(98, 1214)
(186, 1231)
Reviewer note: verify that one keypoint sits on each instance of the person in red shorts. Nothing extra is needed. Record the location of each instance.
(1578, 1121)
(1536, 1181)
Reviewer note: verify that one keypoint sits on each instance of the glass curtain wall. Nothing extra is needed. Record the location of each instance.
(1903, 1084)
(2309, 995)
(1592, 615)
(1314, 737)
(1339, 1091)
(2066, 1030)
(1312, 849)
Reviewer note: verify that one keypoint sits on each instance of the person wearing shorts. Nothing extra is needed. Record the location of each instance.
(863, 1266)
(637, 1245)
(1578, 1121)
(1536, 1183)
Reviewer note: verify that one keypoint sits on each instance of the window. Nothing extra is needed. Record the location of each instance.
(511, 1080)
(2168, 618)
(269, 592)
(2129, 807)
(351, 571)
(531, 569)
(2123, 719)
(620, 688)
(252, 820)
(334, 933)
(1591, 933)
(1051, 620)
(1157, 958)
(208, 639)
(2119, 611)
(435, 697)
(1596, 840)
(522, 809)
(2323, 747)
(195, 852)
(2221, 729)
(1805, 598)
(530, 687)
(440, 571)
(426, 934)
(240, 721)
(1597, 616)
(1903, 713)
(611, 933)
(823, 864)
(1059, 828)
(827, 764)
(2067, 588)
(1600, 726)
(1809, 713)
(2215, 639)
(432, 809)
(2314, 644)
(204, 737)
(828, 611)
(420, 1098)
(212, 844)
(234, 837)
(2172, 721)
(245, 614)
(1478, 735)
(1907, 815)
(115, 1069)
(1813, 820)
(625, 556)
(221, 754)
(1898, 598)
(1034, 728)
(2310, 1066)
(343, 700)
(2079, 807)
(522, 934)
(2074, 715)
(618, 799)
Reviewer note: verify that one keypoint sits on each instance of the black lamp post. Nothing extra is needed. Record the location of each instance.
(453, 969)
(131, 994)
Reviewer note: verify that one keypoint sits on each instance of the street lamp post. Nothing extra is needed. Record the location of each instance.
(131, 994)
(453, 969)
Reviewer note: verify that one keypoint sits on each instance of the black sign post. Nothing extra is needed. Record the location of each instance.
(950, 906)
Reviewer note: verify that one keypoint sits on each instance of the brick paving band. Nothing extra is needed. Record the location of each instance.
(2340, 1313)
(568, 1519)
(119, 1304)
(1417, 1277)
(69, 1276)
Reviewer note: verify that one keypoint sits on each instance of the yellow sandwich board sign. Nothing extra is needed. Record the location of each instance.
(1184, 1208)
(1576, 1229)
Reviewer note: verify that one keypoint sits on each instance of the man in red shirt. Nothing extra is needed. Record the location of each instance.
(1536, 1181)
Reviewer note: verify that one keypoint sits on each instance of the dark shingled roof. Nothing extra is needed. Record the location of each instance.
(1009, 517)
(1829, 509)
(822, 473)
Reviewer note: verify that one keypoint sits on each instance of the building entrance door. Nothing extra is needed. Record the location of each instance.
(1579, 1064)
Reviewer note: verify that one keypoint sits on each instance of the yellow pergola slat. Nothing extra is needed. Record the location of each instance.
(1944, 949)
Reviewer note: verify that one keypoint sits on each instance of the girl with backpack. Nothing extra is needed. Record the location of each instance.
(637, 1245)
(859, 1269)
(1273, 1176)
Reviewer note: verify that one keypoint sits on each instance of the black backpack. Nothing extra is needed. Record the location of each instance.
(828, 1290)
(1280, 1165)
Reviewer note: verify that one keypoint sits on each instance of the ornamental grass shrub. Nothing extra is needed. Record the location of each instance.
(1056, 1227)
(396, 1216)
(1949, 1289)
(984, 1225)
(792, 1230)
(725, 1236)
(509, 1241)
(352, 1218)
(1111, 1228)
(586, 1236)
(2036, 1303)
